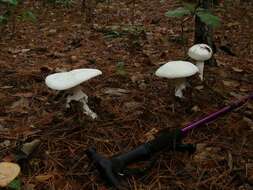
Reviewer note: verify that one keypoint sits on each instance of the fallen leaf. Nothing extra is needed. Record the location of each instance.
(237, 69)
(116, 91)
(195, 108)
(206, 155)
(42, 178)
(24, 94)
(131, 106)
(231, 83)
(29, 186)
(200, 87)
(6, 87)
(232, 24)
(5, 143)
(150, 135)
(22, 102)
(230, 161)
(249, 171)
(8, 172)
(248, 121)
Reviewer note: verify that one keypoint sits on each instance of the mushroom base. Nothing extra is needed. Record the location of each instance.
(78, 95)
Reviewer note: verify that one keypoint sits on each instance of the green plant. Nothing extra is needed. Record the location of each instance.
(8, 5)
(15, 184)
(120, 68)
(192, 11)
(189, 11)
(65, 3)
(9, 9)
(27, 16)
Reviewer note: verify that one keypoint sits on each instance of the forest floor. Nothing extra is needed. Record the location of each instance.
(127, 43)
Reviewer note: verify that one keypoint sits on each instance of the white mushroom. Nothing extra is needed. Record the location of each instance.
(71, 81)
(177, 70)
(8, 172)
(200, 53)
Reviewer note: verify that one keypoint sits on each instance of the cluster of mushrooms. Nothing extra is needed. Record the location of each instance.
(176, 70)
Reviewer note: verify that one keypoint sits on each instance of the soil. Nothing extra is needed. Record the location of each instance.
(127, 43)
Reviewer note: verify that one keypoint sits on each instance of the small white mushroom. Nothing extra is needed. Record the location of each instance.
(178, 71)
(71, 82)
(200, 53)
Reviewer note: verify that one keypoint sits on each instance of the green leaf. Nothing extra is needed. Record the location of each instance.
(179, 12)
(28, 16)
(11, 2)
(3, 19)
(120, 68)
(208, 18)
(15, 184)
(191, 7)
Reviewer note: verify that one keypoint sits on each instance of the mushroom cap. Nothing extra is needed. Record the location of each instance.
(200, 52)
(177, 69)
(67, 80)
(8, 172)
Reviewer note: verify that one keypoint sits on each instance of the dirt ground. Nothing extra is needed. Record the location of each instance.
(127, 43)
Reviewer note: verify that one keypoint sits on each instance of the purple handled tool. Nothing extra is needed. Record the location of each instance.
(216, 114)
(112, 169)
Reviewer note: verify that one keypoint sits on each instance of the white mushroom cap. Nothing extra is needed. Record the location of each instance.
(67, 80)
(200, 52)
(177, 69)
(8, 172)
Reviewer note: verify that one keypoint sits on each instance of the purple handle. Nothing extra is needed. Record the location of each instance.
(215, 115)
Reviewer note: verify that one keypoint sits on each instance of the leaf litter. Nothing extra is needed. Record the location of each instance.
(30, 112)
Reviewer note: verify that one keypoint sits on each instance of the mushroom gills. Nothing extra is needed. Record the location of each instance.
(80, 96)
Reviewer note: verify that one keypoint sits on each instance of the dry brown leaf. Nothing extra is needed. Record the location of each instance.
(24, 94)
(231, 83)
(42, 178)
(8, 172)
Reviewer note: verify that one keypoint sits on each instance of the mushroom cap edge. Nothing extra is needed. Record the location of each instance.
(177, 69)
(200, 52)
(70, 79)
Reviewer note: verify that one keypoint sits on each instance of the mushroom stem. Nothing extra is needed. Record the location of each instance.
(200, 65)
(78, 95)
(180, 85)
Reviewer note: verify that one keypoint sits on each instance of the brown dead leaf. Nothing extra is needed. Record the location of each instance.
(249, 171)
(43, 178)
(207, 155)
(230, 161)
(150, 135)
(235, 69)
(8, 172)
(29, 186)
(24, 94)
(20, 106)
(231, 83)
(115, 91)
(6, 87)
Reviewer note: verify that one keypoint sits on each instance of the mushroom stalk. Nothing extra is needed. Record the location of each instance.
(200, 65)
(78, 95)
(180, 85)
